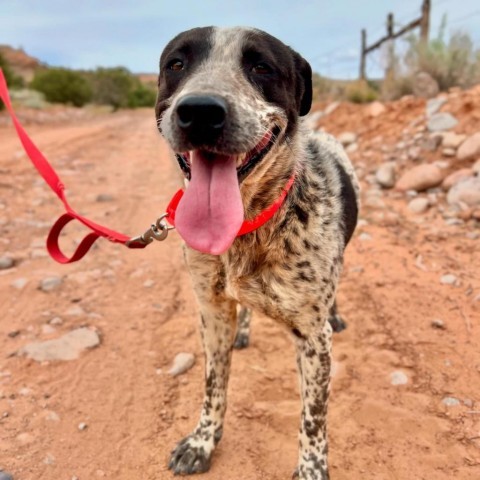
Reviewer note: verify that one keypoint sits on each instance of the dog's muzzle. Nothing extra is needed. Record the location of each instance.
(201, 118)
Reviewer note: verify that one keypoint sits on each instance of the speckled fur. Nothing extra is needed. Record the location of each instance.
(288, 270)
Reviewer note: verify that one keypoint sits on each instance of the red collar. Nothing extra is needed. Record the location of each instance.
(248, 226)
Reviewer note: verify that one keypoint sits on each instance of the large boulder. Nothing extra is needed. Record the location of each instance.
(467, 192)
(420, 178)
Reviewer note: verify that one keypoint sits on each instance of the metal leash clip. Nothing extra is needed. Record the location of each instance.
(158, 231)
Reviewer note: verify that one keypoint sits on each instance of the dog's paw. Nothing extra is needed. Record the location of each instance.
(241, 340)
(337, 323)
(189, 457)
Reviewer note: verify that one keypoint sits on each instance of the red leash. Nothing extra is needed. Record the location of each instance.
(157, 231)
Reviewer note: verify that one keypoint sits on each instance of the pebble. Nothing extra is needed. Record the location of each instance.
(451, 402)
(385, 175)
(449, 152)
(419, 178)
(75, 311)
(419, 205)
(19, 283)
(365, 236)
(105, 197)
(67, 347)
(5, 476)
(52, 416)
(470, 148)
(55, 321)
(6, 262)
(437, 323)
(440, 122)
(148, 283)
(181, 363)
(82, 426)
(48, 329)
(376, 109)
(50, 283)
(49, 459)
(448, 279)
(398, 378)
(347, 138)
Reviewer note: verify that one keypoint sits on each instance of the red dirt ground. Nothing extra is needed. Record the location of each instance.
(135, 412)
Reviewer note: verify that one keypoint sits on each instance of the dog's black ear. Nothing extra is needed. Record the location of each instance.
(304, 84)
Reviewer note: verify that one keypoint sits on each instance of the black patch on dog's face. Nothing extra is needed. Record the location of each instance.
(282, 76)
(190, 48)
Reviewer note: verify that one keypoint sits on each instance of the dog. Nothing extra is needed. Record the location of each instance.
(229, 104)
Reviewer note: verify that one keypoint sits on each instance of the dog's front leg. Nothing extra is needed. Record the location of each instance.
(218, 322)
(314, 363)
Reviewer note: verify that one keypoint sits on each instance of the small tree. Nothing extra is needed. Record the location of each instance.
(112, 86)
(60, 85)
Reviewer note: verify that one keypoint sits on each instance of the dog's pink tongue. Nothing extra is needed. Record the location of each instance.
(210, 212)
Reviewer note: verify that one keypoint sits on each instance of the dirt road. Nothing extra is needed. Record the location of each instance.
(142, 305)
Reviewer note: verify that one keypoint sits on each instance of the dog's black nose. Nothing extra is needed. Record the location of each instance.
(201, 116)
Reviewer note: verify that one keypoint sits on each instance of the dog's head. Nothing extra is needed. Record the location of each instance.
(227, 98)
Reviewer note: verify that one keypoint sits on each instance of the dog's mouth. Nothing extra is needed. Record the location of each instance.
(245, 162)
(210, 213)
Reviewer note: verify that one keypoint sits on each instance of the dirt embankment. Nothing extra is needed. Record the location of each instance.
(406, 390)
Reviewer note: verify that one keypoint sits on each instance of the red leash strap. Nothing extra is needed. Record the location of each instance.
(53, 180)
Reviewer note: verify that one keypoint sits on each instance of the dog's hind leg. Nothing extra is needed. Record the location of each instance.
(243, 328)
(314, 364)
(336, 321)
(218, 320)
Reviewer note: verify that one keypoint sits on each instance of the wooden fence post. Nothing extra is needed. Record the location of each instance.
(363, 55)
(425, 21)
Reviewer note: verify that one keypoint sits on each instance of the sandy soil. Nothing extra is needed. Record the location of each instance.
(142, 305)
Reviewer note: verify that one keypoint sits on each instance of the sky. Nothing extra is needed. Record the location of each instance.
(89, 33)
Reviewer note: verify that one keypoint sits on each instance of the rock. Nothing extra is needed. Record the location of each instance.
(347, 138)
(385, 175)
(419, 178)
(52, 416)
(476, 167)
(50, 283)
(55, 321)
(82, 426)
(432, 143)
(414, 153)
(67, 347)
(470, 148)
(456, 177)
(434, 105)
(105, 197)
(365, 237)
(48, 329)
(452, 140)
(331, 108)
(376, 109)
(353, 147)
(6, 262)
(148, 283)
(19, 283)
(75, 311)
(448, 279)
(425, 86)
(441, 122)
(398, 378)
(182, 363)
(419, 205)
(449, 152)
(437, 323)
(467, 192)
(5, 476)
(451, 402)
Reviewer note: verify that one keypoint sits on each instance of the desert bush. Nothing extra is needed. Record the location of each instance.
(13, 81)
(119, 88)
(60, 85)
(361, 91)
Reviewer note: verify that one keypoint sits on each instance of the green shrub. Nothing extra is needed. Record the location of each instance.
(361, 92)
(13, 81)
(142, 96)
(60, 85)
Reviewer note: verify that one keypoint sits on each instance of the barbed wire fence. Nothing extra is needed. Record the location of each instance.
(342, 61)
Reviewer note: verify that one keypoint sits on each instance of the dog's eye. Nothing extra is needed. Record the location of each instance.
(261, 69)
(175, 65)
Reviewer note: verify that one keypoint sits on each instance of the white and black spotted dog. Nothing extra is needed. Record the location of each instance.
(229, 105)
